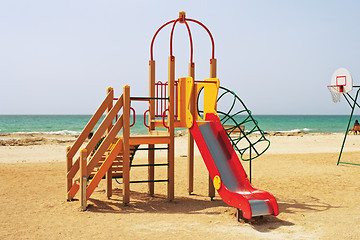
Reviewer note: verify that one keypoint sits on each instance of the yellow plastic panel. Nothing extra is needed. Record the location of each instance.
(210, 95)
(184, 95)
(188, 115)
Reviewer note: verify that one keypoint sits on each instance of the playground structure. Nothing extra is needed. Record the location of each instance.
(342, 84)
(174, 104)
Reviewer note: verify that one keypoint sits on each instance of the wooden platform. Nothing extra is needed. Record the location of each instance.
(156, 137)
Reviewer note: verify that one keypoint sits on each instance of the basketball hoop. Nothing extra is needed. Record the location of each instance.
(335, 91)
(341, 82)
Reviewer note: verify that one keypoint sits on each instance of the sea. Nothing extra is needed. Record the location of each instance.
(73, 124)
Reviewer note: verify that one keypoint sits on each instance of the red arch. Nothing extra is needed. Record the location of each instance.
(211, 37)
(190, 37)
(153, 39)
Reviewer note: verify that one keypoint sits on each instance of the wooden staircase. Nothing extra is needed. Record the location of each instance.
(117, 165)
(111, 160)
(96, 159)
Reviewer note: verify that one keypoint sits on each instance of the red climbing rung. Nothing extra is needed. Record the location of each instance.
(161, 104)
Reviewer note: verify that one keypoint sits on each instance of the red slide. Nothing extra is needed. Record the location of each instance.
(224, 165)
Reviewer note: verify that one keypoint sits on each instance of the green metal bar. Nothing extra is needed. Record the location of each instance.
(229, 117)
(233, 103)
(353, 100)
(147, 181)
(347, 99)
(254, 129)
(250, 166)
(133, 154)
(161, 148)
(357, 164)
(150, 98)
(348, 126)
(150, 165)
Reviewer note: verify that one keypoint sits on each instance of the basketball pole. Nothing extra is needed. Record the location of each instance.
(348, 126)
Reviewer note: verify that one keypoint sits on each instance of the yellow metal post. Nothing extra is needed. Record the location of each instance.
(151, 151)
(83, 178)
(190, 155)
(109, 171)
(126, 148)
(171, 145)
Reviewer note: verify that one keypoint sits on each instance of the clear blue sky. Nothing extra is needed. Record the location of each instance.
(58, 57)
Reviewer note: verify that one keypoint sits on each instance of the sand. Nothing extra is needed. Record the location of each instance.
(317, 199)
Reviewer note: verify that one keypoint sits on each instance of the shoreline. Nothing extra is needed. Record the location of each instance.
(30, 139)
(182, 132)
(39, 147)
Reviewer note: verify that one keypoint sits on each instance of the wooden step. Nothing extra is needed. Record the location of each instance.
(113, 175)
(117, 165)
(149, 139)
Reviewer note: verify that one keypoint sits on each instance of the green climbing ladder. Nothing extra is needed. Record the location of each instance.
(247, 138)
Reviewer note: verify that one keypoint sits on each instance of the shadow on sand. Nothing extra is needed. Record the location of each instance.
(269, 223)
(294, 206)
(143, 203)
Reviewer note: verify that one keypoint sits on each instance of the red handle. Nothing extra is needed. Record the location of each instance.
(163, 116)
(133, 117)
(145, 119)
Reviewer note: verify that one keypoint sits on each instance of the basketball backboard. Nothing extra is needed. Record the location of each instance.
(343, 80)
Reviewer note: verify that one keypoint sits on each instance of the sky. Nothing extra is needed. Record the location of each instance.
(58, 57)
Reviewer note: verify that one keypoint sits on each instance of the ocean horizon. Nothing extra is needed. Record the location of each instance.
(74, 124)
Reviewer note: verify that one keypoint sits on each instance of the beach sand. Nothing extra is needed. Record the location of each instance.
(317, 199)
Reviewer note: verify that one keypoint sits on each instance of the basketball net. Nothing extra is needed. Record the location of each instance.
(335, 92)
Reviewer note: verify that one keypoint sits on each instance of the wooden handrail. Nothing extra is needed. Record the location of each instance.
(104, 167)
(105, 124)
(105, 144)
(90, 125)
